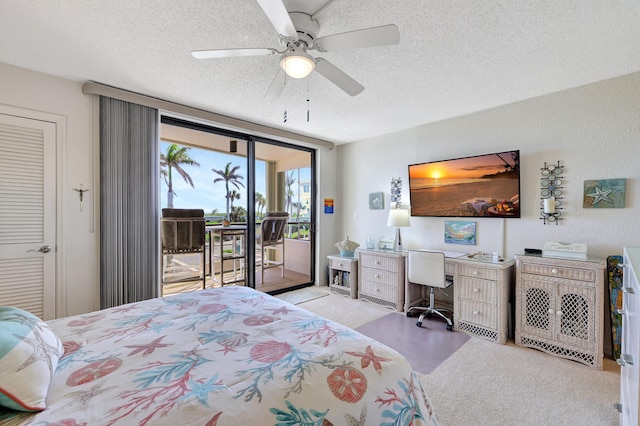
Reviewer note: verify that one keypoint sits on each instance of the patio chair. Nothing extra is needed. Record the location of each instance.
(271, 241)
(183, 232)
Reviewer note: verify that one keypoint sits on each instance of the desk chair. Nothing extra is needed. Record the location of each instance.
(427, 268)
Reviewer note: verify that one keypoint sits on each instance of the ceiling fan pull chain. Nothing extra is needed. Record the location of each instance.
(308, 100)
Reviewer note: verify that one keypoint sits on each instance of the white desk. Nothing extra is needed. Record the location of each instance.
(482, 291)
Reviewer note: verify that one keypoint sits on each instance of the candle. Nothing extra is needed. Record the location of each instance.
(550, 205)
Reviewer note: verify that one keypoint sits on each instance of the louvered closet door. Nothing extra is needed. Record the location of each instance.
(27, 214)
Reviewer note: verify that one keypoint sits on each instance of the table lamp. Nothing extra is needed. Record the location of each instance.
(398, 218)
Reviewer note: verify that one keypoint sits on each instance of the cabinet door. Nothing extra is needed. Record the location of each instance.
(629, 375)
(538, 298)
(575, 316)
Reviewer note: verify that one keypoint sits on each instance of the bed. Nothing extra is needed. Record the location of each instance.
(226, 356)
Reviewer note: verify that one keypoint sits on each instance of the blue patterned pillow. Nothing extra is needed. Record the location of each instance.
(29, 353)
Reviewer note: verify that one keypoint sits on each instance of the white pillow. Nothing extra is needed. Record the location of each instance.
(29, 353)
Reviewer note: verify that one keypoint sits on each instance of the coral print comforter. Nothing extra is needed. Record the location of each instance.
(229, 356)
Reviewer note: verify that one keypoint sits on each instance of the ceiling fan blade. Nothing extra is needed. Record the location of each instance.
(338, 77)
(277, 86)
(368, 37)
(228, 53)
(279, 17)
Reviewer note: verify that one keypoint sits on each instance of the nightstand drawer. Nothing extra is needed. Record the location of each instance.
(476, 272)
(342, 265)
(476, 289)
(378, 290)
(478, 313)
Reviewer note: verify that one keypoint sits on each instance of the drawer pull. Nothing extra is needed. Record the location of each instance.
(475, 272)
(377, 262)
(629, 290)
(339, 264)
(554, 271)
(475, 312)
(618, 407)
(624, 360)
(377, 276)
(475, 290)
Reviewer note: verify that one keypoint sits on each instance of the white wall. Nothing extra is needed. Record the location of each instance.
(593, 130)
(78, 243)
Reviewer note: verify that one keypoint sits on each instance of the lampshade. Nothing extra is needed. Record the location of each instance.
(398, 218)
(297, 64)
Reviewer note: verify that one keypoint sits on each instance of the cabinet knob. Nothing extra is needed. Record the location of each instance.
(377, 276)
(625, 360)
(475, 272)
(475, 290)
(550, 311)
(629, 290)
(554, 271)
(475, 312)
(559, 313)
(618, 407)
(377, 262)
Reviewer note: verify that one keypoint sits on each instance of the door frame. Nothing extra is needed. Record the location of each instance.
(59, 306)
(167, 117)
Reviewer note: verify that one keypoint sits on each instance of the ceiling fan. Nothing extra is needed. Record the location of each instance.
(298, 35)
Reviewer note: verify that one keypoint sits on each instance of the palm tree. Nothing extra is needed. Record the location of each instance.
(288, 183)
(229, 176)
(261, 202)
(233, 195)
(175, 157)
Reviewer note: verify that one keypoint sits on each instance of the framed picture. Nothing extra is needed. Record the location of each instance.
(376, 201)
(604, 193)
(459, 232)
(328, 206)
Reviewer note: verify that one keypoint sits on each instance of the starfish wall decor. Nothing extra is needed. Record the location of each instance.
(604, 193)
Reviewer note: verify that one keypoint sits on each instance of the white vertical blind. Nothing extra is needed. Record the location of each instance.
(129, 215)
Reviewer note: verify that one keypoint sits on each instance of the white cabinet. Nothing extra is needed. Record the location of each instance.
(381, 278)
(560, 307)
(630, 351)
(343, 275)
(482, 292)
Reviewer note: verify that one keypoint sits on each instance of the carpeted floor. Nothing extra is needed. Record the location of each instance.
(483, 383)
(425, 347)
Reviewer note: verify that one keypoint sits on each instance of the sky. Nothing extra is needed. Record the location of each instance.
(205, 194)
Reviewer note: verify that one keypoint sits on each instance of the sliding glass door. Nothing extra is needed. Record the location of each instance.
(239, 181)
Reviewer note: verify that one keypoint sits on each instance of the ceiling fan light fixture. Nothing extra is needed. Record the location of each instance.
(297, 64)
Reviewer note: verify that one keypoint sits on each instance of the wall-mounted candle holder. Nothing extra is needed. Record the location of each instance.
(396, 191)
(550, 192)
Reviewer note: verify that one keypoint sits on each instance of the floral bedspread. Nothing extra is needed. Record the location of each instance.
(229, 356)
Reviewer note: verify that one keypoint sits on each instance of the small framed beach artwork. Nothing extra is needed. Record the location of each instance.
(460, 232)
(376, 201)
(604, 193)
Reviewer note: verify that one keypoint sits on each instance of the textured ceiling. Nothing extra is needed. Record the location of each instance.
(454, 57)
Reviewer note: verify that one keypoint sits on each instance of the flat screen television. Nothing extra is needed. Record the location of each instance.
(483, 185)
